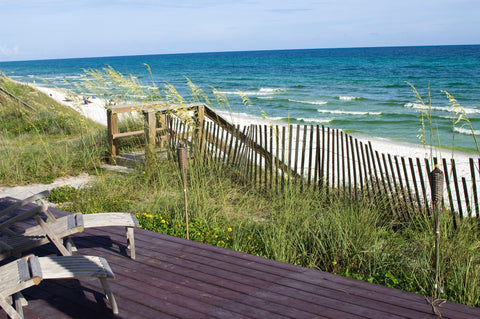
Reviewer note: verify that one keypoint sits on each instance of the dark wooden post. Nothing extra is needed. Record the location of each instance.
(200, 121)
(163, 125)
(150, 131)
(112, 129)
(182, 164)
(436, 185)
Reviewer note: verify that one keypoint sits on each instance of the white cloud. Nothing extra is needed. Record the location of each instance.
(9, 51)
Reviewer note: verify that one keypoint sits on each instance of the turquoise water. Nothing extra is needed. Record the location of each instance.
(359, 90)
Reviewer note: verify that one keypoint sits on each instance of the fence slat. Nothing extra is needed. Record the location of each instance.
(363, 177)
(271, 161)
(256, 176)
(322, 166)
(310, 157)
(414, 179)
(265, 146)
(230, 145)
(224, 143)
(349, 172)
(364, 166)
(457, 188)
(277, 133)
(317, 157)
(332, 152)
(474, 186)
(383, 178)
(407, 183)
(290, 145)
(391, 180)
(302, 162)
(327, 168)
(465, 195)
(355, 185)
(422, 184)
(400, 181)
(338, 159)
(344, 180)
(394, 179)
(297, 141)
(377, 181)
(283, 155)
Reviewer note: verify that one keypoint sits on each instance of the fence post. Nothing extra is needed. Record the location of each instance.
(150, 131)
(162, 118)
(182, 165)
(200, 120)
(112, 129)
(436, 185)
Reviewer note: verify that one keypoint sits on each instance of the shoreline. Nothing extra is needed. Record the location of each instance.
(382, 145)
(96, 111)
(93, 110)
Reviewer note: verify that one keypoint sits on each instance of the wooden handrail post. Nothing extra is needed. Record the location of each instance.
(162, 118)
(150, 131)
(112, 129)
(200, 120)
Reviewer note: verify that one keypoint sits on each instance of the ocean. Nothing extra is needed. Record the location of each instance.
(363, 91)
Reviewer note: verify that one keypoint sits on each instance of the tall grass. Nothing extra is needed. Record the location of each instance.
(347, 236)
(46, 142)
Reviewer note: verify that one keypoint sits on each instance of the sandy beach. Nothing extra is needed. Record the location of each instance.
(383, 146)
(96, 111)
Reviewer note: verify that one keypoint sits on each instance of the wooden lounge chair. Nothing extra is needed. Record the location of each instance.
(31, 270)
(55, 230)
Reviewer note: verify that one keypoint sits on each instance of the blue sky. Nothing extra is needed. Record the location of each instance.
(48, 29)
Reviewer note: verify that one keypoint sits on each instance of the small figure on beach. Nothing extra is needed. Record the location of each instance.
(86, 100)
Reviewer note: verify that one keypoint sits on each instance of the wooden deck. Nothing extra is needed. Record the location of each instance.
(176, 278)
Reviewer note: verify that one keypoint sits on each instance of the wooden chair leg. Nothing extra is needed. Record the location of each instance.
(11, 312)
(69, 244)
(130, 241)
(19, 302)
(109, 295)
(52, 236)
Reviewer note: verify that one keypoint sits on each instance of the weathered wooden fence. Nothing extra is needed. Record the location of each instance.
(315, 156)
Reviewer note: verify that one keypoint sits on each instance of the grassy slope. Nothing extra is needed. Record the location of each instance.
(48, 141)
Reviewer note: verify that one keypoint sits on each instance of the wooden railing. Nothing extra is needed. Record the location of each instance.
(316, 156)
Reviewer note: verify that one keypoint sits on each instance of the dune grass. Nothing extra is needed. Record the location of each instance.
(346, 236)
(46, 141)
(350, 237)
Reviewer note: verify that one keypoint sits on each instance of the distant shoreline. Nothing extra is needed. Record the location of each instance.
(96, 111)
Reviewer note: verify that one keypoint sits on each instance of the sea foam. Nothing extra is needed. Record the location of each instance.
(312, 120)
(348, 112)
(259, 92)
(349, 98)
(419, 106)
(466, 131)
(309, 102)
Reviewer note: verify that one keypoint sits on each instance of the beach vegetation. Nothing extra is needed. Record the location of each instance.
(330, 231)
(428, 132)
(346, 236)
(42, 139)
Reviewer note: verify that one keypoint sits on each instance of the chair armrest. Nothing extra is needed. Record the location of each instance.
(24, 202)
(32, 212)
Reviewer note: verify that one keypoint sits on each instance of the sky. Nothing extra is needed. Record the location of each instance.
(51, 29)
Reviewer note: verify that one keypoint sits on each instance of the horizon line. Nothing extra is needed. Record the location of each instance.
(240, 51)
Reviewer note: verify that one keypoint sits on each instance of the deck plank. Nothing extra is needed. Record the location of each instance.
(176, 278)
